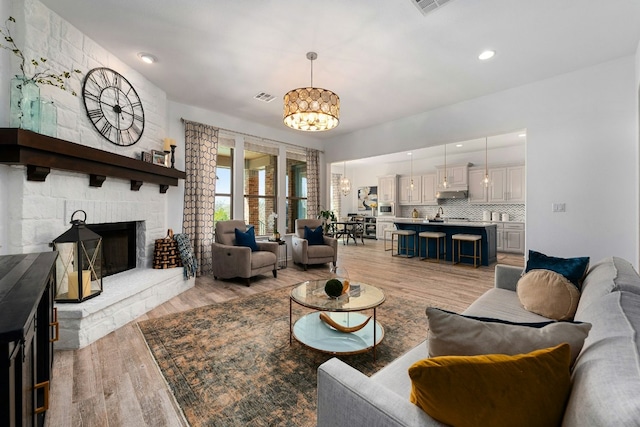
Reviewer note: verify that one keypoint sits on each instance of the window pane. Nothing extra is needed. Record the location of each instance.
(223, 170)
(296, 191)
(260, 177)
(223, 209)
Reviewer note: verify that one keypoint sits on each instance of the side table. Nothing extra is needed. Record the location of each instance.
(283, 253)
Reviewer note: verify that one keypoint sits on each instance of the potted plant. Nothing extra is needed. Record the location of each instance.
(25, 90)
(327, 218)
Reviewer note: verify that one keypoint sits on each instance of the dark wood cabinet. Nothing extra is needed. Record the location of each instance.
(28, 328)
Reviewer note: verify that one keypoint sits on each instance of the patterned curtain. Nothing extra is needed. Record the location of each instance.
(201, 148)
(313, 183)
(336, 195)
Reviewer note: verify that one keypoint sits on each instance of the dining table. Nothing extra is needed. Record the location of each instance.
(348, 230)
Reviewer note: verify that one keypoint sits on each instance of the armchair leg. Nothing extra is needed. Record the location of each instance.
(305, 267)
(275, 273)
(248, 283)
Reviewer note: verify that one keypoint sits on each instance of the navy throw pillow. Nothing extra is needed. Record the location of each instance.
(574, 269)
(314, 237)
(247, 239)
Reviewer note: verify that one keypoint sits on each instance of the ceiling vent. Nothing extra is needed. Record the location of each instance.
(263, 96)
(427, 6)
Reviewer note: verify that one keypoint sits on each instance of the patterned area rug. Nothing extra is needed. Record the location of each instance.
(231, 364)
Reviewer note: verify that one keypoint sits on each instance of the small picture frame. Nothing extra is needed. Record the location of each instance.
(145, 156)
(159, 157)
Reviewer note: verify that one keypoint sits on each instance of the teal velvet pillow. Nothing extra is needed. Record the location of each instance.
(247, 239)
(574, 269)
(314, 237)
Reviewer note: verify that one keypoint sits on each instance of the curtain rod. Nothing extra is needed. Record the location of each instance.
(182, 119)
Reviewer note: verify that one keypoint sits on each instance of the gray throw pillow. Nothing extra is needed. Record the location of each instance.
(453, 334)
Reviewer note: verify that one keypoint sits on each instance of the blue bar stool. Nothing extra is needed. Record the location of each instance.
(432, 235)
(477, 248)
(403, 240)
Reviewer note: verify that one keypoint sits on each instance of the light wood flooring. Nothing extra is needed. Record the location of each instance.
(115, 381)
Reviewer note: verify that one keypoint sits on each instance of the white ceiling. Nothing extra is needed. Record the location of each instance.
(384, 58)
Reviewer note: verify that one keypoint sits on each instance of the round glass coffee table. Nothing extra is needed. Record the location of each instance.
(345, 311)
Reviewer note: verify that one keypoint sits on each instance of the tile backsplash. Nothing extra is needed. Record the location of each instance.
(460, 208)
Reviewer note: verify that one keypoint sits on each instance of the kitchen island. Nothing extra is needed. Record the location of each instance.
(487, 230)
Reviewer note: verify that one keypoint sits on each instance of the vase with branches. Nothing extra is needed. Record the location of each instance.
(25, 89)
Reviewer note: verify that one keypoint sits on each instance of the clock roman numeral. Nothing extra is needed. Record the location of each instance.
(105, 77)
(95, 114)
(135, 129)
(106, 129)
(91, 96)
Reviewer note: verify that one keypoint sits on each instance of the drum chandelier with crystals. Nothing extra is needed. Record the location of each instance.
(311, 108)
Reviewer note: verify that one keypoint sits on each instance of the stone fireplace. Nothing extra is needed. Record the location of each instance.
(43, 200)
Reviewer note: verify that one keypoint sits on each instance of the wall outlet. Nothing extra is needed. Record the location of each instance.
(558, 207)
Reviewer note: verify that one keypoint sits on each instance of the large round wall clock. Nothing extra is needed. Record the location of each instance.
(113, 106)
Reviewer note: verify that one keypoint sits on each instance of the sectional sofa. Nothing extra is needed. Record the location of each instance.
(605, 377)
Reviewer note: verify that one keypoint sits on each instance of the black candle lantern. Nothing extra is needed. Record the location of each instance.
(79, 262)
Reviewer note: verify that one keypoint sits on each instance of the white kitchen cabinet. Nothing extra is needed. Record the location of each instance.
(387, 188)
(478, 193)
(408, 195)
(384, 223)
(429, 189)
(457, 177)
(500, 238)
(515, 184)
(510, 237)
(514, 237)
(507, 184)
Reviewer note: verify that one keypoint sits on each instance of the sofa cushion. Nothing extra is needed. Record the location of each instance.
(247, 239)
(607, 275)
(502, 304)
(606, 376)
(548, 294)
(395, 376)
(320, 251)
(314, 237)
(574, 269)
(523, 390)
(452, 334)
(261, 259)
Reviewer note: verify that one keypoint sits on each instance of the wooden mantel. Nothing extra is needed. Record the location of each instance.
(41, 153)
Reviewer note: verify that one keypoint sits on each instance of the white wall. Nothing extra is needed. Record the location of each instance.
(5, 76)
(582, 150)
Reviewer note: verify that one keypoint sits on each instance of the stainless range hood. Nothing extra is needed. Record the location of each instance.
(452, 194)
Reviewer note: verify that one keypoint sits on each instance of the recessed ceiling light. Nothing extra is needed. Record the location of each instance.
(409, 153)
(147, 57)
(487, 54)
(522, 135)
(458, 145)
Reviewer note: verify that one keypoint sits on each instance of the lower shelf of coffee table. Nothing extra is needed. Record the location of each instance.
(312, 332)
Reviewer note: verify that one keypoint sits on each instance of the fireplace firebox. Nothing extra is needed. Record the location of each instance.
(118, 245)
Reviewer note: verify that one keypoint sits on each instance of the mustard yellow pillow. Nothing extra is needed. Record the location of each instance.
(548, 294)
(494, 390)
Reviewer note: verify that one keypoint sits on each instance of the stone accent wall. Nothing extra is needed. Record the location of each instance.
(40, 211)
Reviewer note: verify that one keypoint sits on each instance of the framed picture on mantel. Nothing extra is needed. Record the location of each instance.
(159, 157)
(368, 198)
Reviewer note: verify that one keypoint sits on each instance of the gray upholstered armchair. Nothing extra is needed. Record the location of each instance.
(306, 254)
(231, 261)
